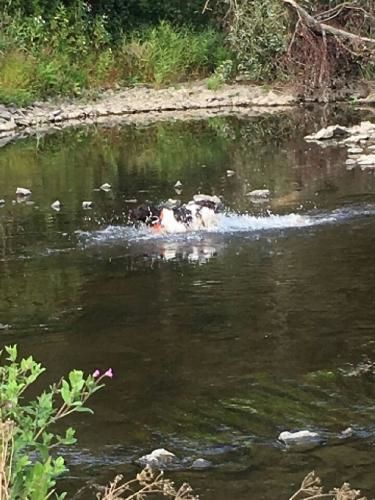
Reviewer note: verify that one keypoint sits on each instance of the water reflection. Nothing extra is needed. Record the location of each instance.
(219, 340)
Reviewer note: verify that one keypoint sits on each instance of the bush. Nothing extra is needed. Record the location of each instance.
(165, 54)
(29, 470)
(258, 35)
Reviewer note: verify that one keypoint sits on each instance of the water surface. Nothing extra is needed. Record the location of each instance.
(219, 340)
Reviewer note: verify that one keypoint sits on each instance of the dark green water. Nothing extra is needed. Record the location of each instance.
(219, 341)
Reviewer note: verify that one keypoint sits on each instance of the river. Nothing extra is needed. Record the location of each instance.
(218, 340)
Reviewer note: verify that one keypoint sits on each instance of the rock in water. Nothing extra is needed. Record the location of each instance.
(178, 184)
(300, 438)
(206, 197)
(56, 205)
(23, 191)
(159, 459)
(87, 205)
(260, 194)
(331, 132)
(201, 463)
(230, 173)
(105, 187)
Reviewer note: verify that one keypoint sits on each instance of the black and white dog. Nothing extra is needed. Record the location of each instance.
(172, 217)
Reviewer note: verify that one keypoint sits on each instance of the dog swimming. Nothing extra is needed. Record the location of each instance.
(174, 217)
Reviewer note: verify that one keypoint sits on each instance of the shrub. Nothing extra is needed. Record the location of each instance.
(29, 470)
(258, 35)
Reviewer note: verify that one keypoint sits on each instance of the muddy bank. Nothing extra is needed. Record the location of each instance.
(141, 105)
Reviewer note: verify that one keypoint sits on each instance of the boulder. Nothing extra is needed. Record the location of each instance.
(303, 438)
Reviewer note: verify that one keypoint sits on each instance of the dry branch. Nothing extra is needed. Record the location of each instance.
(323, 28)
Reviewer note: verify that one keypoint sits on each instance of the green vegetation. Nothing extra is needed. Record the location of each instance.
(29, 467)
(70, 47)
(70, 50)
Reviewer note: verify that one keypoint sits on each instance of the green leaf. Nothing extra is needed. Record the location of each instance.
(84, 409)
(12, 353)
(66, 393)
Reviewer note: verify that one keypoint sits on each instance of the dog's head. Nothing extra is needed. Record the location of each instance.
(146, 213)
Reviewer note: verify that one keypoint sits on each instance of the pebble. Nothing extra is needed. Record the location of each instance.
(105, 187)
(259, 193)
(23, 191)
(230, 173)
(87, 205)
(178, 184)
(56, 205)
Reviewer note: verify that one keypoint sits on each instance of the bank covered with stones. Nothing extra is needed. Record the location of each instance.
(138, 101)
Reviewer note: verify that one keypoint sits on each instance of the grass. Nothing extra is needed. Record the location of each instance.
(40, 60)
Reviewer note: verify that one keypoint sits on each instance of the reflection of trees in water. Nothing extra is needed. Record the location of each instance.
(34, 293)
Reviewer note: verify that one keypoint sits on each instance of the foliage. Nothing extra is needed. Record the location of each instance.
(258, 35)
(165, 54)
(28, 439)
(72, 51)
(121, 14)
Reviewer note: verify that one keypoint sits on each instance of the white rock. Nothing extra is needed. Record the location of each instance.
(298, 438)
(23, 191)
(347, 433)
(366, 160)
(87, 205)
(178, 184)
(331, 132)
(230, 173)
(372, 147)
(158, 458)
(206, 197)
(350, 161)
(259, 193)
(2, 202)
(105, 187)
(355, 150)
(56, 205)
(201, 463)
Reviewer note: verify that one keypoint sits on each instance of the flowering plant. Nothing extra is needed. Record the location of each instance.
(28, 468)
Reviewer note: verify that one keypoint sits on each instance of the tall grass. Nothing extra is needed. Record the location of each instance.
(69, 54)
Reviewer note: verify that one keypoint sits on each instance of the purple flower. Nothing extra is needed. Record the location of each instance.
(96, 374)
(108, 373)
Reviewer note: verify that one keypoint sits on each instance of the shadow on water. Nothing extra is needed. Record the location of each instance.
(219, 340)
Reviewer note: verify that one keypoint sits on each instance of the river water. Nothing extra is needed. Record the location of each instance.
(218, 340)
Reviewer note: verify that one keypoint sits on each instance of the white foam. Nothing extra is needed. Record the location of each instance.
(226, 223)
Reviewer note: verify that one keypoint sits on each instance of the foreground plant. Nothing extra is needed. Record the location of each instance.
(147, 482)
(311, 489)
(28, 468)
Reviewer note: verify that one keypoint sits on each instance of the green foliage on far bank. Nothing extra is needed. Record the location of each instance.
(73, 51)
(69, 47)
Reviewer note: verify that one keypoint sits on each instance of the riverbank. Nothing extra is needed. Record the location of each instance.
(144, 105)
